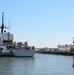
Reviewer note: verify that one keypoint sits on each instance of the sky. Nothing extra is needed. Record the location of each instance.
(43, 23)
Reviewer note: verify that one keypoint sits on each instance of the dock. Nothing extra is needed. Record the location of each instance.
(70, 53)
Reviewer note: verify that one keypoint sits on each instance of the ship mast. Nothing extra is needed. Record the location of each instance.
(2, 26)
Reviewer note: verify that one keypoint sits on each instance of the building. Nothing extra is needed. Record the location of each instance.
(64, 47)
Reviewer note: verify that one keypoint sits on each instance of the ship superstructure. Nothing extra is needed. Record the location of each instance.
(8, 47)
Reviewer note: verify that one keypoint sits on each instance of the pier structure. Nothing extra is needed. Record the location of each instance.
(73, 62)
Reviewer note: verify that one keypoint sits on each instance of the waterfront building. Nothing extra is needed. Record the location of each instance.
(64, 47)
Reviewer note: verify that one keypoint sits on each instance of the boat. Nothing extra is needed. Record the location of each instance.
(8, 47)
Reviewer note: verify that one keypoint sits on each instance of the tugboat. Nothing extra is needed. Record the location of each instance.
(9, 48)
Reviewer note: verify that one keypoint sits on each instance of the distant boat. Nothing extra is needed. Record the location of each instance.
(8, 48)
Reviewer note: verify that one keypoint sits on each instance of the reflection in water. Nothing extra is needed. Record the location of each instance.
(41, 64)
(5, 65)
(16, 65)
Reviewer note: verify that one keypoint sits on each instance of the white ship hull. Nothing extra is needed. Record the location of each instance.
(24, 53)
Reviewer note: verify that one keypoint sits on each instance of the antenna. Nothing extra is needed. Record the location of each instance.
(9, 25)
(27, 41)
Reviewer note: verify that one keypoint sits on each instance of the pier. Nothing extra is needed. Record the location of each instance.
(70, 53)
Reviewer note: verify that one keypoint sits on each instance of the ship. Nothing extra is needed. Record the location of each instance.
(8, 46)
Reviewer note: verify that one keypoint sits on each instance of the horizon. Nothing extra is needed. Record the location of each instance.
(44, 23)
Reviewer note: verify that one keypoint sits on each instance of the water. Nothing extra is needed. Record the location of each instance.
(40, 64)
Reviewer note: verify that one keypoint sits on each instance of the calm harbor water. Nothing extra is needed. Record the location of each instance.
(40, 64)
